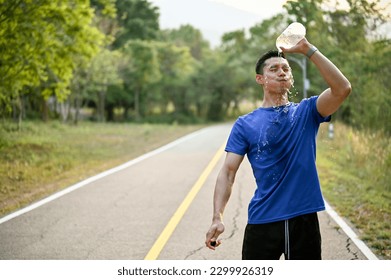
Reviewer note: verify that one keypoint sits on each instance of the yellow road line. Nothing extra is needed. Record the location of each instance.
(176, 218)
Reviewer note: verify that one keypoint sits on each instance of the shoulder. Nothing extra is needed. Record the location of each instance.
(309, 105)
(309, 101)
(250, 117)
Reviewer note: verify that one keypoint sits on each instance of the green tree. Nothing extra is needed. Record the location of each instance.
(137, 19)
(364, 56)
(141, 72)
(241, 64)
(346, 35)
(103, 73)
(187, 35)
(177, 65)
(211, 86)
(41, 42)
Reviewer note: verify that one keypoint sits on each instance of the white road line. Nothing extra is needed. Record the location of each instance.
(100, 176)
(350, 233)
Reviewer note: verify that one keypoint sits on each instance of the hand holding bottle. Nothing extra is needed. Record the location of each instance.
(293, 34)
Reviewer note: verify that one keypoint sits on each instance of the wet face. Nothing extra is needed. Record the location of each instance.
(277, 75)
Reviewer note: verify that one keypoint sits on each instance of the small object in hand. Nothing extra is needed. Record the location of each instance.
(213, 243)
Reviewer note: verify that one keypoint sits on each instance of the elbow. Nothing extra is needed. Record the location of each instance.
(347, 89)
(343, 90)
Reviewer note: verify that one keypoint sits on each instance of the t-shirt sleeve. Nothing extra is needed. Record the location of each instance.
(237, 143)
(317, 117)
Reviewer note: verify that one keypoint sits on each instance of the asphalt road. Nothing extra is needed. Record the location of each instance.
(121, 214)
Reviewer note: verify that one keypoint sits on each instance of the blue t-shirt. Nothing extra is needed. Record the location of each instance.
(280, 144)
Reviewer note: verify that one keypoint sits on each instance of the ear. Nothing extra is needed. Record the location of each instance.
(259, 79)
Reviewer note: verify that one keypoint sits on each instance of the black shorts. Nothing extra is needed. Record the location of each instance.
(297, 238)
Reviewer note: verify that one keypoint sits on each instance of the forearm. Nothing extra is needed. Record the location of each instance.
(223, 189)
(338, 83)
(339, 86)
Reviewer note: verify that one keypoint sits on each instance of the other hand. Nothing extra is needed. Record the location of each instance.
(215, 230)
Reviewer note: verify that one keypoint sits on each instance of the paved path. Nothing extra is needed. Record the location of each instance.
(122, 214)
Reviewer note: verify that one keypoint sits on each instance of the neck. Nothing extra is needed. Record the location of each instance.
(275, 100)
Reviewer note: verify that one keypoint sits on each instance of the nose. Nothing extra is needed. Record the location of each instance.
(281, 72)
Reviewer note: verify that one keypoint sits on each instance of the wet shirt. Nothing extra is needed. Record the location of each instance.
(280, 143)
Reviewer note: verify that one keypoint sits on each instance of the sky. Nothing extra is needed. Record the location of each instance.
(215, 17)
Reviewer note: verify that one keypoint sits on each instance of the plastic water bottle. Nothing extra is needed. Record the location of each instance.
(291, 36)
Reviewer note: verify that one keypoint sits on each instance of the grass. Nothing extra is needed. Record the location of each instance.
(354, 169)
(43, 158)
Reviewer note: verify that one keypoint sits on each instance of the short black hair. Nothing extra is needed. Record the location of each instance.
(261, 61)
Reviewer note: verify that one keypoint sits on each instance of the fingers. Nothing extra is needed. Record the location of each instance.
(300, 47)
(211, 240)
(211, 237)
(213, 244)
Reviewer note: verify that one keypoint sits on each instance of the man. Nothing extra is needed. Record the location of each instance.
(279, 139)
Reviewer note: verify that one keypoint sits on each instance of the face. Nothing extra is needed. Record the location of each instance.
(277, 75)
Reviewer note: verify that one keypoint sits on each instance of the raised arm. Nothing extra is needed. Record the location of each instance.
(339, 86)
(223, 189)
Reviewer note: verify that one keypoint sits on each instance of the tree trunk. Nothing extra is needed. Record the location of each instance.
(101, 106)
(77, 105)
(137, 104)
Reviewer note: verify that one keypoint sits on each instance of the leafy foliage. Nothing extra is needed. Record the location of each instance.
(65, 51)
(41, 43)
(137, 20)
